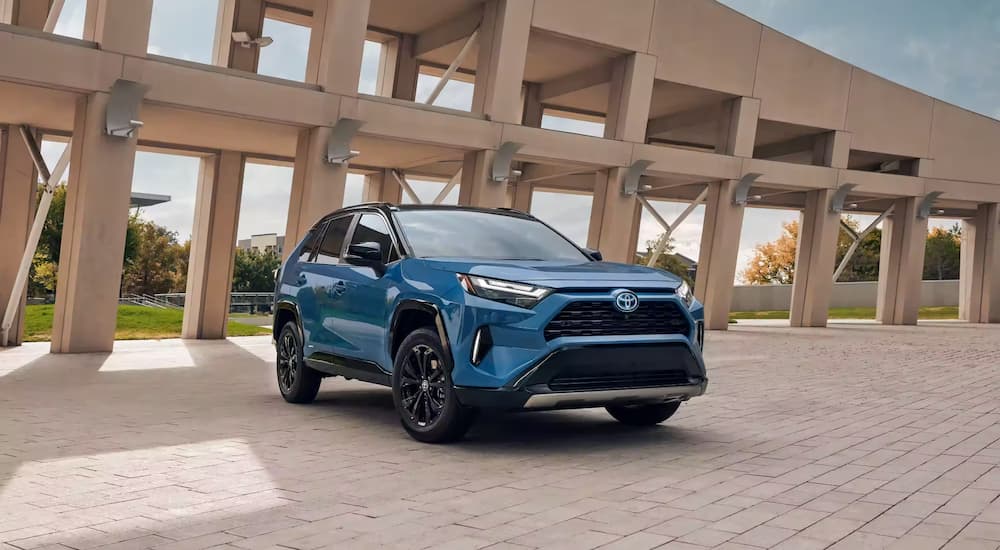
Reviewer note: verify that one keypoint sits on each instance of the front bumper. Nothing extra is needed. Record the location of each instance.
(598, 375)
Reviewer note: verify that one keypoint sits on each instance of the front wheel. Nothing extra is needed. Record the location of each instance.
(423, 392)
(643, 415)
(297, 382)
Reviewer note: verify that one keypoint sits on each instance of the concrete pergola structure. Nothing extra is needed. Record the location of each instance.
(698, 101)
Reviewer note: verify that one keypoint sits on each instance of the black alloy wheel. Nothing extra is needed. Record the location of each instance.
(423, 392)
(422, 389)
(297, 382)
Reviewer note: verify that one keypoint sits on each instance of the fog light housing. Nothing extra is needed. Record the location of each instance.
(482, 343)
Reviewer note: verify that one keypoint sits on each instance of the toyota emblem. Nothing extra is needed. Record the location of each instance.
(626, 301)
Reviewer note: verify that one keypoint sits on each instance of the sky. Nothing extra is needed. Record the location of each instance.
(950, 50)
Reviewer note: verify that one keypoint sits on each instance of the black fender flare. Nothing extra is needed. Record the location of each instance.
(413, 304)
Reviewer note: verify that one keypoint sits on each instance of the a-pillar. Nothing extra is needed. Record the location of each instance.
(93, 237)
(901, 264)
(503, 45)
(317, 187)
(381, 186)
(17, 207)
(629, 97)
(210, 265)
(337, 44)
(814, 261)
(980, 276)
(120, 26)
(614, 218)
(477, 187)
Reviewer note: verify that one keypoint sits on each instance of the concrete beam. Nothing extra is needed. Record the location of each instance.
(120, 26)
(579, 80)
(448, 32)
(698, 116)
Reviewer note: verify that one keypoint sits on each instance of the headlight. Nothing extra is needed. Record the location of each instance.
(685, 294)
(515, 294)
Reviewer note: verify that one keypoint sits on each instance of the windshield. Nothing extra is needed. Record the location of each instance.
(444, 233)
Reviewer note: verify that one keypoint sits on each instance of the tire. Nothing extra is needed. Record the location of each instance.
(643, 415)
(423, 392)
(297, 382)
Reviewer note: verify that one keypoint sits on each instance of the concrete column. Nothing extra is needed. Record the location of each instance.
(120, 26)
(630, 94)
(832, 149)
(213, 246)
(477, 187)
(17, 210)
(980, 276)
(25, 13)
(614, 218)
(317, 187)
(381, 186)
(815, 256)
(234, 16)
(738, 127)
(720, 247)
(336, 45)
(93, 238)
(533, 108)
(503, 45)
(522, 197)
(406, 67)
(901, 264)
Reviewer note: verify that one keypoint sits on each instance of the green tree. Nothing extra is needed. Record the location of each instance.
(158, 262)
(943, 255)
(667, 261)
(253, 270)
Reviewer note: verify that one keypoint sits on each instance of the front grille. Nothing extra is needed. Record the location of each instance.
(619, 380)
(601, 318)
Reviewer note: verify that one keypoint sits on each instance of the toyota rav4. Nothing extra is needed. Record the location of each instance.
(460, 309)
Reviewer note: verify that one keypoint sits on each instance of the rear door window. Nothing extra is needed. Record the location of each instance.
(332, 246)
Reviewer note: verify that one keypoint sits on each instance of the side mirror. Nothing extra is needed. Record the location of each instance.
(594, 254)
(365, 253)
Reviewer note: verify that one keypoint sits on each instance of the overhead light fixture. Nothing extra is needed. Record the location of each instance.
(342, 158)
(755, 198)
(244, 40)
(853, 206)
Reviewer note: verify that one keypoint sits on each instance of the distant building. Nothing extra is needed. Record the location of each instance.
(691, 265)
(263, 243)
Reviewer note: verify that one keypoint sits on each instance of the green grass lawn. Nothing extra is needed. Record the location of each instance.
(946, 312)
(134, 323)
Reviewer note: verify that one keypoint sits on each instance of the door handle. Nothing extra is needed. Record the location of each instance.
(338, 288)
(301, 281)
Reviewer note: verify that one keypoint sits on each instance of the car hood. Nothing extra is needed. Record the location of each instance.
(561, 274)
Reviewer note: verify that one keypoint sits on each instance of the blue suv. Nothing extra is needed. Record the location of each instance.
(459, 309)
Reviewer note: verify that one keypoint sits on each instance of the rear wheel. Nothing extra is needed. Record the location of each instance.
(423, 392)
(297, 382)
(643, 415)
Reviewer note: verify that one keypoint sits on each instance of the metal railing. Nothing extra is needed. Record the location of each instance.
(147, 300)
(239, 302)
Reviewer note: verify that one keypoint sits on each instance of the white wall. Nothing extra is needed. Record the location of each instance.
(779, 297)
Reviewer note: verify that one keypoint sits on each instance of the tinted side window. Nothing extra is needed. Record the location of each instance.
(372, 228)
(333, 241)
(310, 243)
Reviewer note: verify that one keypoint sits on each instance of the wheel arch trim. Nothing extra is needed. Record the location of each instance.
(413, 304)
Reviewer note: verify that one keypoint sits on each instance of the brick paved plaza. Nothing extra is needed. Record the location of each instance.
(856, 436)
